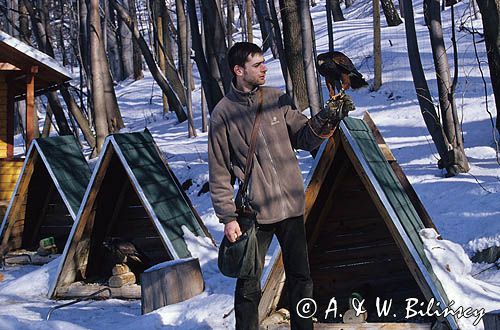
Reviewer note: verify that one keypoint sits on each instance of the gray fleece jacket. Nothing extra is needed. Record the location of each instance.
(276, 189)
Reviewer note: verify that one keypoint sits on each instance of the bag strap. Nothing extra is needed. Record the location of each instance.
(253, 143)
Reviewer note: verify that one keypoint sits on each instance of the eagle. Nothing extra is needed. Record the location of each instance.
(120, 251)
(339, 72)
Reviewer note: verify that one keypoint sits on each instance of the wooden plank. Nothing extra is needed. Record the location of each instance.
(30, 107)
(37, 223)
(320, 173)
(415, 200)
(177, 281)
(78, 290)
(373, 326)
(18, 200)
(491, 320)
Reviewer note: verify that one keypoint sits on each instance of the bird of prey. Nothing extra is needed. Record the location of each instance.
(339, 72)
(125, 252)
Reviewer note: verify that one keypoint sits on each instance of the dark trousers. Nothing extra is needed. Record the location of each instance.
(292, 239)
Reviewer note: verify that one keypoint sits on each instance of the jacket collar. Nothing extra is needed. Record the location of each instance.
(242, 97)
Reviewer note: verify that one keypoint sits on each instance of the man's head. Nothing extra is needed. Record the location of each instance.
(247, 64)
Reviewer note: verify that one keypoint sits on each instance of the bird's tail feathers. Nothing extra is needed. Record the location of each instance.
(357, 81)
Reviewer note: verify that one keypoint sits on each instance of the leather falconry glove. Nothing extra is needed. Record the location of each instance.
(324, 123)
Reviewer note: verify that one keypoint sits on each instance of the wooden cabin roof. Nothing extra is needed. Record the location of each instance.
(18, 58)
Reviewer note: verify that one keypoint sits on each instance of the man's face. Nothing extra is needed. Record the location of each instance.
(254, 72)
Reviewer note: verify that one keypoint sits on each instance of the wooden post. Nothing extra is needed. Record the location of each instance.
(30, 106)
(169, 283)
(10, 124)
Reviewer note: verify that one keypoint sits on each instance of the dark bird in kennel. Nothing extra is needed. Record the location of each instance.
(120, 251)
(339, 73)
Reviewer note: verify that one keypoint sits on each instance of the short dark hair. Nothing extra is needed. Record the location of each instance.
(238, 53)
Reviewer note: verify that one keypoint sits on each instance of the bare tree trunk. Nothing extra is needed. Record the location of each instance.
(216, 40)
(112, 46)
(338, 16)
(184, 37)
(282, 56)
(157, 8)
(127, 50)
(153, 67)
(210, 86)
(266, 29)
(390, 12)
(249, 17)
(377, 48)
(490, 12)
(24, 30)
(44, 45)
(293, 50)
(429, 113)
(329, 23)
(230, 21)
(136, 51)
(77, 113)
(98, 94)
(308, 56)
(451, 124)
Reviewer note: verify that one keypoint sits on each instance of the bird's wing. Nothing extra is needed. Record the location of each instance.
(343, 62)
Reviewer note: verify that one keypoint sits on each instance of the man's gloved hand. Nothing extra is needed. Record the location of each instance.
(334, 111)
(339, 108)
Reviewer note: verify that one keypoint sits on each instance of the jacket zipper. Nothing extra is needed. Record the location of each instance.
(275, 173)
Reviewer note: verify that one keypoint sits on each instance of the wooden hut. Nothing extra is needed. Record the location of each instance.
(47, 195)
(132, 196)
(362, 226)
(24, 73)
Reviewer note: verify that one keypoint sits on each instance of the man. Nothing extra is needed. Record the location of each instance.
(275, 190)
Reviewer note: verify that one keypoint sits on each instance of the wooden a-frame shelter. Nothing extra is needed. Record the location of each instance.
(47, 194)
(362, 225)
(132, 195)
(25, 72)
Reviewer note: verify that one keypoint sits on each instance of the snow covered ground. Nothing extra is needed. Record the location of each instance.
(465, 209)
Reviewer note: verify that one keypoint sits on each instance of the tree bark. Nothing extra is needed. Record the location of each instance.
(112, 46)
(249, 17)
(230, 22)
(96, 68)
(390, 12)
(424, 97)
(338, 16)
(212, 90)
(490, 12)
(153, 67)
(293, 50)
(184, 37)
(127, 51)
(377, 48)
(282, 56)
(329, 23)
(136, 49)
(266, 29)
(308, 56)
(216, 41)
(44, 45)
(449, 117)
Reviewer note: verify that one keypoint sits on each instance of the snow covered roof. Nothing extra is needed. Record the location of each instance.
(23, 56)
